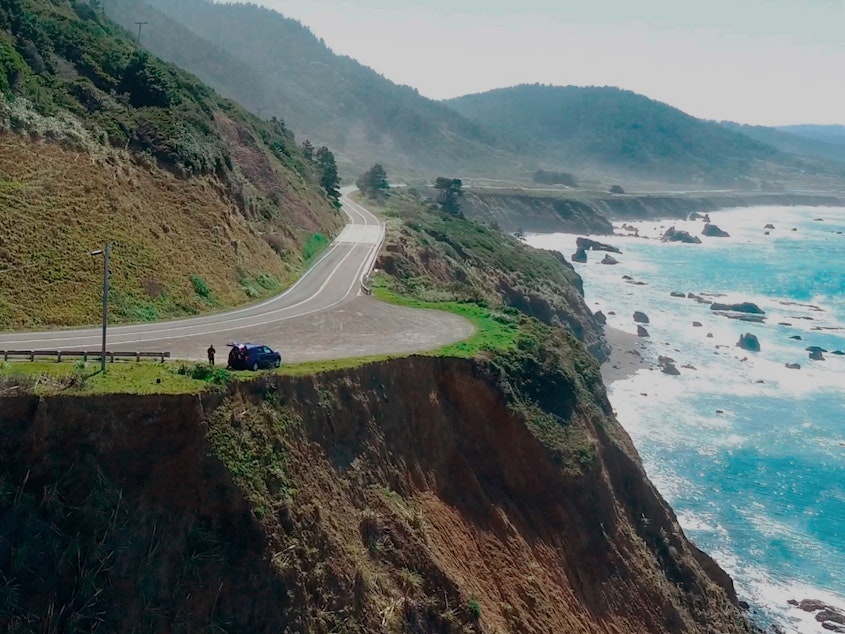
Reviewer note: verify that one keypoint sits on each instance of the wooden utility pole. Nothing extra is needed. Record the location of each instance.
(140, 24)
(106, 253)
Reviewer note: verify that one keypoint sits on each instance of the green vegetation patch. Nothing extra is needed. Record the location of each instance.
(314, 246)
(205, 372)
(251, 442)
(495, 330)
(261, 285)
(201, 288)
(121, 377)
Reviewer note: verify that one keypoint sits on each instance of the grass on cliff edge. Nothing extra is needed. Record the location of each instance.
(495, 331)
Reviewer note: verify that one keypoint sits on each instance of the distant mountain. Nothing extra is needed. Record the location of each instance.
(792, 142)
(826, 133)
(616, 128)
(277, 67)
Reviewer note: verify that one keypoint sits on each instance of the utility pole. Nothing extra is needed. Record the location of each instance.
(140, 24)
(106, 253)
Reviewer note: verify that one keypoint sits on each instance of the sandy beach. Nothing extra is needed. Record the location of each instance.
(626, 351)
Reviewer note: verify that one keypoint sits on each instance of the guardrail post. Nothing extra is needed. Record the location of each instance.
(111, 357)
(85, 357)
(32, 355)
(5, 355)
(59, 356)
(138, 357)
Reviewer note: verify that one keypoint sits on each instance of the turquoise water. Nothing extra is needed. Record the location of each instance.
(750, 454)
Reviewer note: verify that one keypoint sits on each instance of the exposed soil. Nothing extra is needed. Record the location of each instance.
(403, 496)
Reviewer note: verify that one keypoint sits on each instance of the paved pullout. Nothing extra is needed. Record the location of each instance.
(322, 316)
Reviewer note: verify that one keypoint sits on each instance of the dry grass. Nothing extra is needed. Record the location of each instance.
(56, 205)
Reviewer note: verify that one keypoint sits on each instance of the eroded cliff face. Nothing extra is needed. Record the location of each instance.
(418, 495)
(592, 214)
(536, 213)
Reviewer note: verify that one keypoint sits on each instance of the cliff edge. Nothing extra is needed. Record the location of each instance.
(414, 495)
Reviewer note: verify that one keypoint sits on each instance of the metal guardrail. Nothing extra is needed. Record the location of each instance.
(111, 356)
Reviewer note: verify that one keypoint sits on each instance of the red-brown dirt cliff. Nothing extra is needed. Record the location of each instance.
(415, 495)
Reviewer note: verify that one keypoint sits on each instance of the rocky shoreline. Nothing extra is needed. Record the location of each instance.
(592, 212)
(631, 353)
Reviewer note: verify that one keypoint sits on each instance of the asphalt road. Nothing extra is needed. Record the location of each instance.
(323, 316)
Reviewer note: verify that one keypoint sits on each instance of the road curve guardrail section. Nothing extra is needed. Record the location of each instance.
(84, 354)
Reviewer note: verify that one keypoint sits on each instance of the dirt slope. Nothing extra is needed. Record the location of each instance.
(417, 495)
(180, 245)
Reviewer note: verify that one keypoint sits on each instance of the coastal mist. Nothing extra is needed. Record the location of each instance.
(747, 446)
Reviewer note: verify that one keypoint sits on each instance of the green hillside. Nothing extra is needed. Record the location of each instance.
(793, 142)
(206, 205)
(617, 129)
(326, 98)
(824, 133)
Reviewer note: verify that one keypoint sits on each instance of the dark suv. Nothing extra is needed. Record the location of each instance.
(252, 356)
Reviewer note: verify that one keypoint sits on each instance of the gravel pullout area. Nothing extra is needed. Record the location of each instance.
(360, 327)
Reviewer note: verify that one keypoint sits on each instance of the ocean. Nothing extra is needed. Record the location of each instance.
(749, 453)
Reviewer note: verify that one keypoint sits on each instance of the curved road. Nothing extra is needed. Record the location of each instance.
(322, 316)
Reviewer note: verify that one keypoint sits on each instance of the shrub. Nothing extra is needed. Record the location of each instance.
(314, 246)
(16, 381)
(200, 287)
(12, 65)
(207, 373)
(146, 83)
(474, 608)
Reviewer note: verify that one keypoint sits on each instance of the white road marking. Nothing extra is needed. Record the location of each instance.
(364, 229)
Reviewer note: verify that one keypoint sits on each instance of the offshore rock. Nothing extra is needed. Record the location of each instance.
(743, 307)
(670, 369)
(674, 235)
(712, 231)
(640, 317)
(748, 342)
(593, 245)
(579, 256)
(609, 260)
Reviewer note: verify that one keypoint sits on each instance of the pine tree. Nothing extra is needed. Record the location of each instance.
(329, 179)
(450, 192)
(373, 182)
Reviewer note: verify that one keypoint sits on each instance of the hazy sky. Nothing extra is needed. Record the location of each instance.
(765, 62)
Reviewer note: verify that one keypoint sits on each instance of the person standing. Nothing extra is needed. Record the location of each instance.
(211, 352)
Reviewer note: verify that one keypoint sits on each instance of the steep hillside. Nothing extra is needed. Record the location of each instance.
(429, 494)
(322, 96)
(418, 495)
(592, 212)
(618, 130)
(524, 210)
(434, 256)
(205, 205)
